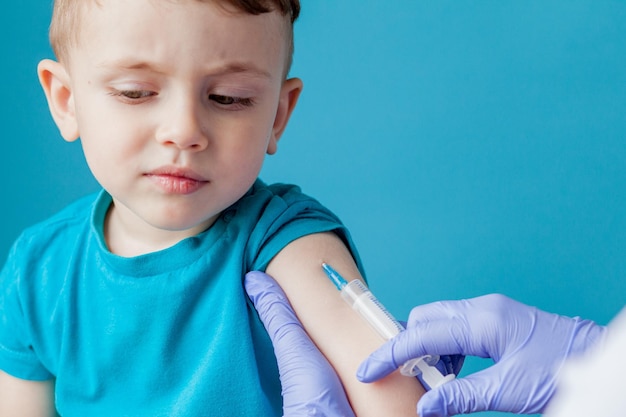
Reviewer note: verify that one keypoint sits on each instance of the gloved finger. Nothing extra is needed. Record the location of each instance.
(480, 326)
(440, 337)
(438, 310)
(383, 360)
(466, 309)
(448, 364)
(477, 392)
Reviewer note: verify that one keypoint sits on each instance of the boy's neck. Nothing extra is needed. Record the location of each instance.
(128, 239)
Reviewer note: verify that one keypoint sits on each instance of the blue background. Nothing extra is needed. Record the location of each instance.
(470, 146)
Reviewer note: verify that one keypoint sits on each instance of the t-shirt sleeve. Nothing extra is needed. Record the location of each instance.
(17, 355)
(288, 215)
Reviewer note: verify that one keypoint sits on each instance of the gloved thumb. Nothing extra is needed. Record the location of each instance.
(274, 309)
(309, 383)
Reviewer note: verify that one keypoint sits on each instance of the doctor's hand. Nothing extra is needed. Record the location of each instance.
(527, 345)
(310, 385)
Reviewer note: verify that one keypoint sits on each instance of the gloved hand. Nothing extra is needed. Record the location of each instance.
(310, 385)
(527, 345)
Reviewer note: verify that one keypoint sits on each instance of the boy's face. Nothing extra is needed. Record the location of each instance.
(176, 104)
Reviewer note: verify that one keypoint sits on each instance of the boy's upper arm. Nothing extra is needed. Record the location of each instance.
(19, 397)
(336, 329)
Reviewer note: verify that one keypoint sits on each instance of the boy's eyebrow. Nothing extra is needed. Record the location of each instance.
(229, 68)
(236, 67)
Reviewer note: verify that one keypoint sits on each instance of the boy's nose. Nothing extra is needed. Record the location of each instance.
(182, 127)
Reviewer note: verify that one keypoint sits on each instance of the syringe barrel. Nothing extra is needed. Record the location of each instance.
(356, 294)
(363, 301)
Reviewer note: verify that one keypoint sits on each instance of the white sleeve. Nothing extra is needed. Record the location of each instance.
(593, 385)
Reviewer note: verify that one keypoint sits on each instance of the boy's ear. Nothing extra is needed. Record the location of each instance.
(55, 82)
(289, 94)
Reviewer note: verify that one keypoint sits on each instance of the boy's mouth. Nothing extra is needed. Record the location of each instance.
(176, 180)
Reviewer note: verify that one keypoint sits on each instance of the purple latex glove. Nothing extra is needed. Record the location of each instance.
(309, 383)
(527, 345)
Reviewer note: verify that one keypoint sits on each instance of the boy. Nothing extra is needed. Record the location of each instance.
(131, 302)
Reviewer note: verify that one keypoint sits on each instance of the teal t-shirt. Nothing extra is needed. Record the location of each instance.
(170, 333)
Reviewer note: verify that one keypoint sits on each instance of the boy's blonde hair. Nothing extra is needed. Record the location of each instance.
(66, 20)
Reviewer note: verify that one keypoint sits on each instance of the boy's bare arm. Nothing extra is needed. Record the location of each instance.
(336, 329)
(23, 398)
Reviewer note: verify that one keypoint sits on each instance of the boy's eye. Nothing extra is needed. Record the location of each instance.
(133, 95)
(136, 94)
(230, 101)
(226, 100)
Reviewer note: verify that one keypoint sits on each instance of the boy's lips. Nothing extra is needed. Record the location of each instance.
(176, 180)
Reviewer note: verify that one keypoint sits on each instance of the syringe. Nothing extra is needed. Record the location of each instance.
(361, 299)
